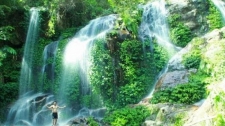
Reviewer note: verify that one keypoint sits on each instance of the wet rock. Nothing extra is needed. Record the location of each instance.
(78, 122)
(171, 79)
(192, 13)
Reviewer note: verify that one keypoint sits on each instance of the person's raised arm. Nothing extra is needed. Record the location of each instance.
(49, 106)
(62, 106)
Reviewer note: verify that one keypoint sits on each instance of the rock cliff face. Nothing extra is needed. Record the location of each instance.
(193, 14)
(176, 72)
(200, 113)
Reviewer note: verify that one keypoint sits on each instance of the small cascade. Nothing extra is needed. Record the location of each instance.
(48, 68)
(26, 108)
(26, 74)
(154, 26)
(221, 6)
(21, 110)
(76, 54)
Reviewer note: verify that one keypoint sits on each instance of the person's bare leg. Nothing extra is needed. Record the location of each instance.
(54, 122)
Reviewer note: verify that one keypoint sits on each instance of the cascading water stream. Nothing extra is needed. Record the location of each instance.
(221, 6)
(48, 69)
(22, 109)
(30, 108)
(154, 26)
(26, 68)
(76, 55)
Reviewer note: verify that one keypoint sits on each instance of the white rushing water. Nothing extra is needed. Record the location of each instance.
(30, 109)
(19, 113)
(48, 69)
(26, 68)
(154, 26)
(76, 55)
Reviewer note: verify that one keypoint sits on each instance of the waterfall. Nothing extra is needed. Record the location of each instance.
(76, 56)
(48, 68)
(27, 61)
(20, 112)
(30, 109)
(221, 6)
(154, 26)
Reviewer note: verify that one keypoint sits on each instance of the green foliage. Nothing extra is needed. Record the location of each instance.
(69, 32)
(72, 86)
(213, 60)
(4, 51)
(172, 20)
(219, 105)
(160, 58)
(178, 120)
(92, 122)
(116, 76)
(129, 12)
(181, 35)
(131, 57)
(220, 120)
(131, 93)
(5, 32)
(188, 93)
(92, 100)
(101, 75)
(9, 93)
(127, 116)
(9, 33)
(192, 59)
(214, 17)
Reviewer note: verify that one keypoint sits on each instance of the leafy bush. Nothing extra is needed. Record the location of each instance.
(9, 93)
(183, 93)
(192, 59)
(92, 122)
(181, 35)
(178, 121)
(115, 75)
(130, 13)
(219, 105)
(69, 32)
(130, 94)
(127, 116)
(172, 20)
(101, 73)
(214, 17)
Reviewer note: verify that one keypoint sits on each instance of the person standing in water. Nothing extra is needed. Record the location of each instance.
(54, 107)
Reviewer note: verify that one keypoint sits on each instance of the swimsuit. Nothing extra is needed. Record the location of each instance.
(55, 115)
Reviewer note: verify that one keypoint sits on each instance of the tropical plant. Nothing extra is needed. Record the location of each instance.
(180, 34)
(127, 116)
(188, 93)
(129, 12)
(214, 17)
